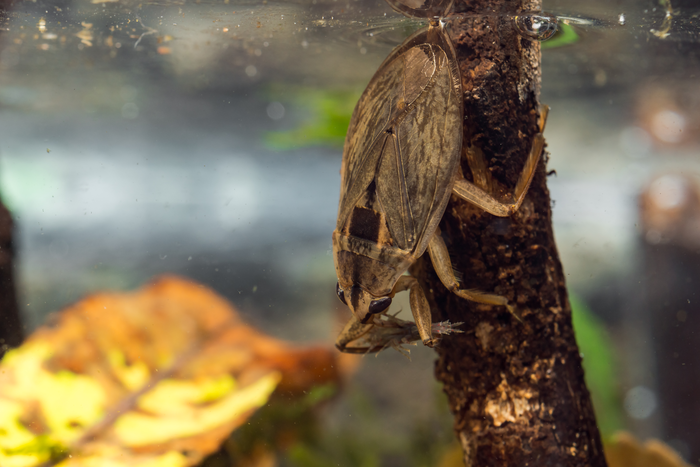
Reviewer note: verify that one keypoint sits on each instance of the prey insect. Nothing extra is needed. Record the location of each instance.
(400, 167)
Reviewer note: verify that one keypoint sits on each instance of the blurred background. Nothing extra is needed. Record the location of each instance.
(204, 138)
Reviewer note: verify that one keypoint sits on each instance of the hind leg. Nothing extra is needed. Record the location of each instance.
(440, 257)
(478, 194)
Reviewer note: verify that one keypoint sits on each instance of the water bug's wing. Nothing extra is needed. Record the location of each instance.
(430, 141)
(404, 141)
(422, 8)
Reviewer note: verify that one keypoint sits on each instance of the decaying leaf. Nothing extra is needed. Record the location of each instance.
(625, 451)
(157, 377)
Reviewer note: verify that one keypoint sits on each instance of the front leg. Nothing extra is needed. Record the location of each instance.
(419, 307)
(352, 331)
(385, 332)
(440, 258)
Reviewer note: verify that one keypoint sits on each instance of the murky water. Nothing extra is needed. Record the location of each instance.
(140, 138)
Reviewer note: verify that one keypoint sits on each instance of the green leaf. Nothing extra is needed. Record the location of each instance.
(599, 366)
(329, 110)
(565, 35)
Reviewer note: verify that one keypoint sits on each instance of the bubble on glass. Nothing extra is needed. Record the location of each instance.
(600, 78)
(251, 71)
(304, 44)
(669, 192)
(668, 126)
(130, 111)
(653, 237)
(635, 142)
(537, 26)
(275, 110)
(640, 402)
(127, 93)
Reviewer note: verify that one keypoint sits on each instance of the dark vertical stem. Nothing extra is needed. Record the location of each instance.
(670, 216)
(672, 274)
(11, 334)
(516, 389)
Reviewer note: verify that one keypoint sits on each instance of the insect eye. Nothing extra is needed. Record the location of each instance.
(377, 306)
(340, 293)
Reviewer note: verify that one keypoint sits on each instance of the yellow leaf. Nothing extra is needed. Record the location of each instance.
(14, 434)
(68, 402)
(154, 378)
(169, 459)
(137, 429)
(173, 397)
(134, 376)
(625, 451)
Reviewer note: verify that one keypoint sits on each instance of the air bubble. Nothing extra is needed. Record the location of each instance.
(275, 110)
(130, 111)
(640, 402)
(537, 26)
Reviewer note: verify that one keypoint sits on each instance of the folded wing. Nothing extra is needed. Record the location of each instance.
(403, 145)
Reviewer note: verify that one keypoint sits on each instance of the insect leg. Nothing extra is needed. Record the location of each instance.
(475, 195)
(544, 112)
(443, 267)
(352, 331)
(419, 307)
(481, 198)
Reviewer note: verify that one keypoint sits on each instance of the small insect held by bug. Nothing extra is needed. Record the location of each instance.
(387, 331)
(400, 167)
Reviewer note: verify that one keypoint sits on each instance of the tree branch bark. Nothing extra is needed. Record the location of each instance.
(516, 389)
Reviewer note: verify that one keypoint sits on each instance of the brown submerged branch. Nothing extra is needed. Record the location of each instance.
(516, 389)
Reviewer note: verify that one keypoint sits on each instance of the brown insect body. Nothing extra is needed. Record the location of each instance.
(400, 166)
(422, 8)
(399, 163)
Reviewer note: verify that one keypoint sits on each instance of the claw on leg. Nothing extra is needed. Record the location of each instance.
(419, 307)
(478, 194)
(352, 331)
(443, 267)
(475, 192)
